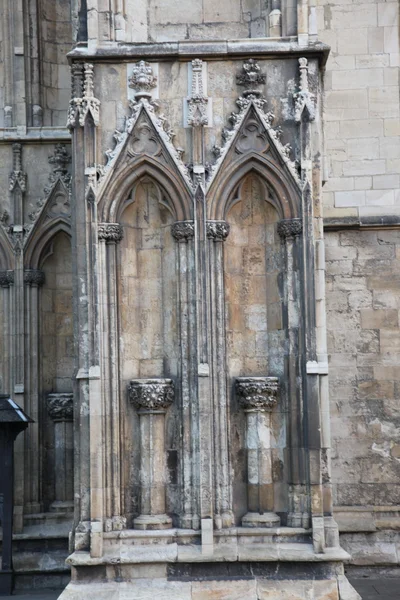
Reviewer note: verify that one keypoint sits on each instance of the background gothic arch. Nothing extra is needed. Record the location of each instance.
(37, 243)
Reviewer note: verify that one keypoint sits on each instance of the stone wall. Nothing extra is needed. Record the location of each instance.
(361, 107)
(363, 301)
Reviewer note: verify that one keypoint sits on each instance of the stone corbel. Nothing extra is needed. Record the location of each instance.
(34, 277)
(182, 231)
(111, 233)
(258, 396)
(290, 228)
(217, 231)
(152, 398)
(6, 278)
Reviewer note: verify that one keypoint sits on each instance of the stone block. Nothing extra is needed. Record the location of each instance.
(353, 80)
(224, 590)
(362, 183)
(364, 167)
(379, 197)
(224, 11)
(375, 39)
(344, 17)
(389, 148)
(367, 149)
(352, 198)
(391, 39)
(361, 128)
(164, 13)
(356, 43)
(375, 318)
(374, 61)
(386, 182)
(342, 99)
(383, 101)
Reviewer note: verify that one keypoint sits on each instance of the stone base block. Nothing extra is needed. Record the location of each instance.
(147, 522)
(268, 519)
(249, 589)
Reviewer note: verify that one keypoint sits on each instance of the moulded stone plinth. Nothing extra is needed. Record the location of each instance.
(152, 522)
(254, 519)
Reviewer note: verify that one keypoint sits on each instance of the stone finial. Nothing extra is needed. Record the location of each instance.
(142, 79)
(60, 406)
(112, 233)
(304, 99)
(197, 102)
(6, 278)
(290, 228)
(151, 394)
(218, 230)
(34, 277)
(17, 176)
(182, 231)
(251, 74)
(257, 393)
(60, 159)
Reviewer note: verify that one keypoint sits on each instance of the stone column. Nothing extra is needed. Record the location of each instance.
(60, 409)
(151, 398)
(258, 396)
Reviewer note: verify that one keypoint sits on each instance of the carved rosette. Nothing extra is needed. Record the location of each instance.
(34, 277)
(151, 395)
(217, 230)
(112, 233)
(60, 406)
(182, 231)
(6, 278)
(290, 228)
(257, 393)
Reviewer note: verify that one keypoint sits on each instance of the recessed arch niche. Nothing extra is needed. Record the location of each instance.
(255, 336)
(148, 321)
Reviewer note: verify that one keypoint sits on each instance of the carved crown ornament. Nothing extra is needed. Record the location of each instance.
(151, 395)
(142, 79)
(60, 406)
(257, 393)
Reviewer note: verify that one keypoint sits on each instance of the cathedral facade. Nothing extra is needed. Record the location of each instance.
(200, 294)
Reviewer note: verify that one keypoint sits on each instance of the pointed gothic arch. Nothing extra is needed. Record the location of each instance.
(38, 243)
(6, 251)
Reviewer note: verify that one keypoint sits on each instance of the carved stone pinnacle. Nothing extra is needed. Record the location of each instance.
(110, 232)
(257, 393)
(151, 394)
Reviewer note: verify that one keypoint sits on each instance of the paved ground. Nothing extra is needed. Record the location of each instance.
(368, 588)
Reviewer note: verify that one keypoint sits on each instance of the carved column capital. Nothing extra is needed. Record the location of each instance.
(290, 228)
(218, 230)
(34, 277)
(60, 406)
(182, 231)
(151, 395)
(6, 278)
(257, 393)
(112, 233)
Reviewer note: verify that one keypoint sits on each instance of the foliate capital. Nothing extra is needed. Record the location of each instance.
(34, 277)
(6, 278)
(218, 230)
(110, 232)
(60, 406)
(183, 231)
(290, 228)
(151, 394)
(257, 393)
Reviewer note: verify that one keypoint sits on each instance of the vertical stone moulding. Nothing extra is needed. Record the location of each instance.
(257, 396)
(60, 409)
(152, 398)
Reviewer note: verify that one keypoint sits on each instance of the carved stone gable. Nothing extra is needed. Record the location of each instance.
(144, 139)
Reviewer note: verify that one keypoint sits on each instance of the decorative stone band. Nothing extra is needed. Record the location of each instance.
(290, 228)
(151, 395)
(112, 233)
(183, 231)
(34, 277)
(218, 230)
(60, 406)
(6, 278)
(257, 393)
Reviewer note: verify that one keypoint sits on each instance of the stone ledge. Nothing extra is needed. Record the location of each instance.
(188, 49)
(45, 134)
(378, 222)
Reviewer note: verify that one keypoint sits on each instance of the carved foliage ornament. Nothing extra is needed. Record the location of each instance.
(197, 102)
(304, 99)
(110, 232)
(17, 176)
(6, 278)
(34, 277)
(151, 394)
(182, 231)
(60, 406)
(83, 101)
(218, 230)
(142, 78)
(251, 74)
(257, 393)
(290, 228)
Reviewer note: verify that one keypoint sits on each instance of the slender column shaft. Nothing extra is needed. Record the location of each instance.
(60, 407)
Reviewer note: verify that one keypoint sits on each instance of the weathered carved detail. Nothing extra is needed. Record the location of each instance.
(17, 176)
(198, 102)
(182, 231)
(253, 137)
(34, 277)
(144, 140)
(289, 228)
(218, 230)
(80, 107)
(142, 79)
(60, 406)
(6, 278)
(251, 74)
(304, 99)
(257, 393)
(151, 394)
(110, 232)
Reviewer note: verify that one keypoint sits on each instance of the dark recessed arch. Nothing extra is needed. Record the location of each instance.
(38, 243)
